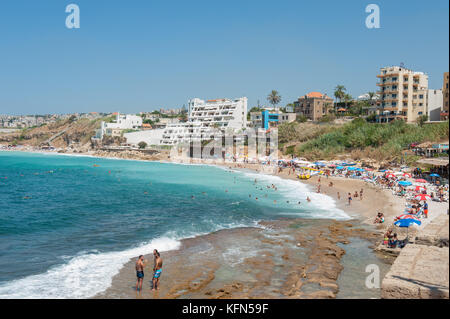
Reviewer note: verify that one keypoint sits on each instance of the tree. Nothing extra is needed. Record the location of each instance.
(142, 145)
(347, 98)
(274, 98)
(301, 118)
(339, 92)
(371, 97)
(422, 119)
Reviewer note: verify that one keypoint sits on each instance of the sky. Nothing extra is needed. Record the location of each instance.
(141, 55)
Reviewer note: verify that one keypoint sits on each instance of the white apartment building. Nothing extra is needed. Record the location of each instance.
(220, 113)
(122, 122)
(403, 94)
(206, 116)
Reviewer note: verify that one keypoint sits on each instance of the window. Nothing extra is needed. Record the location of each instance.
(421, 96)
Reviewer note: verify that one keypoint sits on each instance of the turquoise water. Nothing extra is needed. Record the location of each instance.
(69, 223)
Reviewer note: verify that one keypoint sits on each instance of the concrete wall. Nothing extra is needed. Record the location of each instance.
(435, 101)
(151, 137)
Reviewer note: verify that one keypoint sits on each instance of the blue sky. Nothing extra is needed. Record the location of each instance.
(141, 55)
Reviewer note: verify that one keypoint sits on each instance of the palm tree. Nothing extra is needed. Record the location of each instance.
(274, 98)
(371, 95)
(339, 92)
(347, 98)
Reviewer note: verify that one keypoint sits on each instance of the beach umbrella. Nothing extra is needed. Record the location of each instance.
(420, 188)
(422, 197)
(390, 175)
(408, 216)
(351, 168)
(421, 181)
(360, 169)
(405, 183)
(339, 167)
(407, 175)
(405, 223)
(435, 175)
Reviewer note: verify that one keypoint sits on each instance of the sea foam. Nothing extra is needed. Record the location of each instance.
(83, 276)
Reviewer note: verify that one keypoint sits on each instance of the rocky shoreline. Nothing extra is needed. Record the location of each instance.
(288, 258)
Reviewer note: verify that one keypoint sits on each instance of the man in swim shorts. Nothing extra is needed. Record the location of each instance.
(157, 269)
(140, 272)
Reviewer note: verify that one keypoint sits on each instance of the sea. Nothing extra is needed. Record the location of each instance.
(69, 223)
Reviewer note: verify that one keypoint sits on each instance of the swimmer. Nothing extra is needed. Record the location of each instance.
(308, 199)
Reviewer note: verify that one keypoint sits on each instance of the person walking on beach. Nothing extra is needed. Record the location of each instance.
(140, 264)
(349, 199)
(157, 269)
(361, 194)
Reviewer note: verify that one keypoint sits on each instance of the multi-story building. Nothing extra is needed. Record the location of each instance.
(220, 113)
(206, 116)
(444, 113)
(122, 122)
(313, 105)
(267, 119)
(403, 94)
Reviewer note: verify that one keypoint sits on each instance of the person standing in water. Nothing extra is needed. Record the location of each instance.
(157, 269)
(140, 264)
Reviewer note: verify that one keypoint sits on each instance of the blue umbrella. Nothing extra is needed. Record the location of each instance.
(383, 170)
(340, 167)
(435, 175)
(351, 168)
(319, 164)
(360, 169)
(405, 183)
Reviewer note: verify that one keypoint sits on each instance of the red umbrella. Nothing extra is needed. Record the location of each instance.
(420, 181)
(407, 175)
(422, 197)
(390, 175)
(420, 188)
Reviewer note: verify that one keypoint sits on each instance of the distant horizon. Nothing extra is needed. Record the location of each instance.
(146, 56)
